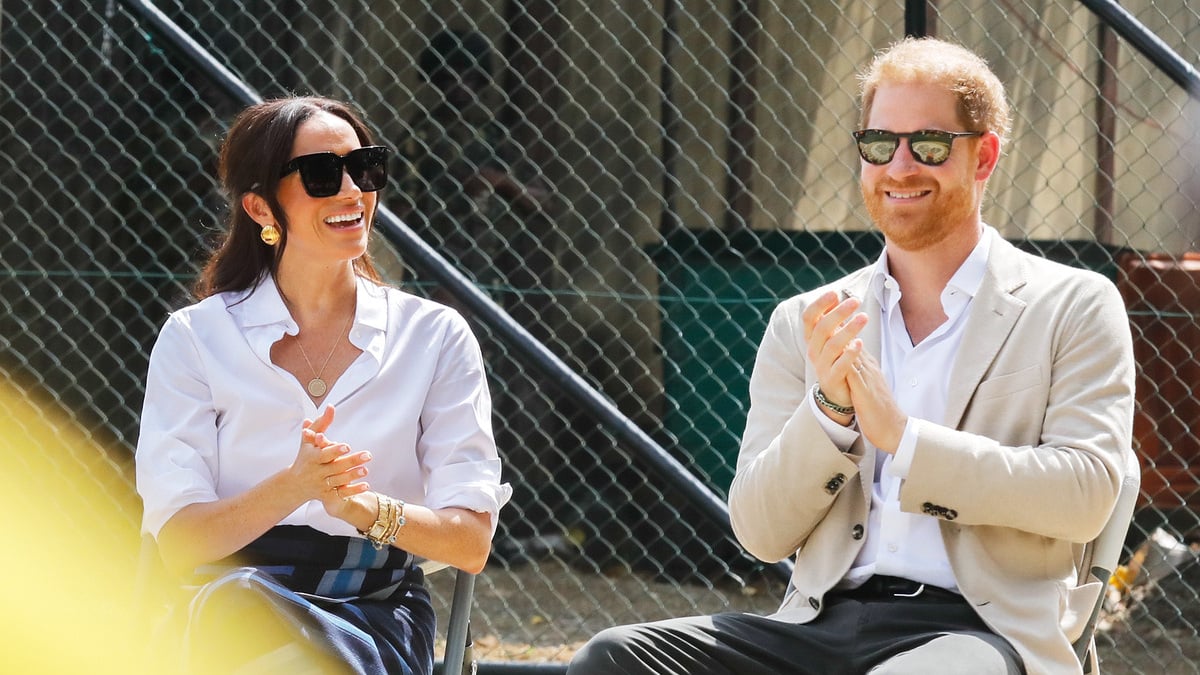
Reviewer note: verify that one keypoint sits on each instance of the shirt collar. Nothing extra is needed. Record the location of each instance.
(260, 306)
(263, 306)
(967, 279)
(969, 276)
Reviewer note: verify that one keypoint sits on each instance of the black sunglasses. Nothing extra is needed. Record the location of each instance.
(321, 172)
(930, 147)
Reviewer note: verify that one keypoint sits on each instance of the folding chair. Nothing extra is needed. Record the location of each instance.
(459, 658)
(460, 654)
(1102, 555)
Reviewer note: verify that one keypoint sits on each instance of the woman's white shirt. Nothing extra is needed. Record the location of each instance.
(219, 417)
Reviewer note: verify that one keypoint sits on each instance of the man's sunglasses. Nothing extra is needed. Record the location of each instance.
(929, 147)
(321, 172)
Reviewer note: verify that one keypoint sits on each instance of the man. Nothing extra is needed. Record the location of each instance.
(933, 437)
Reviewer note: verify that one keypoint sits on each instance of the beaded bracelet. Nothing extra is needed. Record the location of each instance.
(839, 409)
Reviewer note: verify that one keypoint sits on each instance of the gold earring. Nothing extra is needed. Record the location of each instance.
(269, 235)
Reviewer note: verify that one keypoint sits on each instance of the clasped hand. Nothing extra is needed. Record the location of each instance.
(847, 374)
(329, 471)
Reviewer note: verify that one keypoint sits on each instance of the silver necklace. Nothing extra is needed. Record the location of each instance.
(317, 386)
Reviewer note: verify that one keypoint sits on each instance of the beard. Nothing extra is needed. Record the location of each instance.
(917, 229)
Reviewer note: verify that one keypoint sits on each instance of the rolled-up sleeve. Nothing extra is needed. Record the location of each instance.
(457, 447)
(177, 444)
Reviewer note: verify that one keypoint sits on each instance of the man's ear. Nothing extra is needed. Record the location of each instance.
(989, 155)
(258, 209)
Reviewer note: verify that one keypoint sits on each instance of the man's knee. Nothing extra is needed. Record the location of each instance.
(976, 653)
(604, 654)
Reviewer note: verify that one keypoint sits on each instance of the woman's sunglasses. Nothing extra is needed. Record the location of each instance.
(321, 172)
(929, 147)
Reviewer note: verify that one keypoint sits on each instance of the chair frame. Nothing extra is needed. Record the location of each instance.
(1102, 555)
(460, 654)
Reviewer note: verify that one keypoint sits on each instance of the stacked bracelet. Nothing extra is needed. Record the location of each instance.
(839, 409)
(387, 523)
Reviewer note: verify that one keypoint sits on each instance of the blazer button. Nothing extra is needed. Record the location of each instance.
(951, 514)
(857, 532)
(928, 508)
(814, 603)
(834, 484)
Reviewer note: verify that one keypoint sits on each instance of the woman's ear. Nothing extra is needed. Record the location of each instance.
(258, 209)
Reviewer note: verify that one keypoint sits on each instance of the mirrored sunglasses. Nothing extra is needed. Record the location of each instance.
(321, 172)
(930, 147)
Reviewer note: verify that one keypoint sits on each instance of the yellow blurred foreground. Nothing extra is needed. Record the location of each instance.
(70, 555)
(70, 544)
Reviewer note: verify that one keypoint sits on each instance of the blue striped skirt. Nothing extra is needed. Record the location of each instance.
(301, 597)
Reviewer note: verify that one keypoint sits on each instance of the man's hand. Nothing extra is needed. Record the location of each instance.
(831, 329)
(879, 418)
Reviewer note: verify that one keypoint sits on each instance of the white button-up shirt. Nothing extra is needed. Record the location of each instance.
(219, 417)
(903, 544)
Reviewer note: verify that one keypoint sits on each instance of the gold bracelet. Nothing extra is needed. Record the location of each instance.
(388, 521)
(396, 522)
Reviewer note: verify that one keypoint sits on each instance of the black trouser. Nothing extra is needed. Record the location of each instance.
(859, 631)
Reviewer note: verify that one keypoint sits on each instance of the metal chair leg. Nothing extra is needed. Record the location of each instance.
(460, 655)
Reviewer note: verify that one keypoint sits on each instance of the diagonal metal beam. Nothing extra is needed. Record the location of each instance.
(1150, 45)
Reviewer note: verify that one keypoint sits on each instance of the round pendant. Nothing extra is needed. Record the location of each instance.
(317, 387)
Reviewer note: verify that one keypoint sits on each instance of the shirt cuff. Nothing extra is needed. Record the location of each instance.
(842, 437)
(902, 460)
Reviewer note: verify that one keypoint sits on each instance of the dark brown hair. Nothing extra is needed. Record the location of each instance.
(258, 144)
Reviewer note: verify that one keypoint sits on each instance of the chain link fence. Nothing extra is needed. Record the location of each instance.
(637, 184)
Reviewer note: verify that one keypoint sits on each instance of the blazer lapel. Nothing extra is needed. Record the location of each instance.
(858, 285)
(994, 311)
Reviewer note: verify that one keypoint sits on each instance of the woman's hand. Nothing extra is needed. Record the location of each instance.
(329, 471)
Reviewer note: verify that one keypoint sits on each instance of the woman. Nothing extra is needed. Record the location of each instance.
(308, 515)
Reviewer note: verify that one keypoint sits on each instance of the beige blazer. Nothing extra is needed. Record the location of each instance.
(1024, 472)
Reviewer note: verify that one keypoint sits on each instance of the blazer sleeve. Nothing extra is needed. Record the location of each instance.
(788, 471)
(1048, 457)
